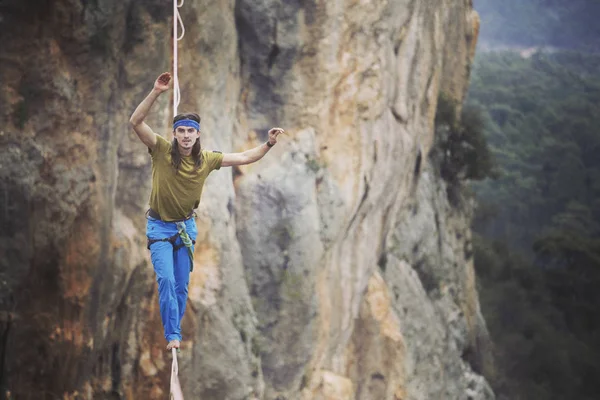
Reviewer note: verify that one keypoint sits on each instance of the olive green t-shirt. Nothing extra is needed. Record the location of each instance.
(175, 195)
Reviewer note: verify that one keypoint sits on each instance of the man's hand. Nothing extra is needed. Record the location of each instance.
(273, 133)
(162, 82)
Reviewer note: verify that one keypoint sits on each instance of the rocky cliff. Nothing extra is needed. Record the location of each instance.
(335, 268)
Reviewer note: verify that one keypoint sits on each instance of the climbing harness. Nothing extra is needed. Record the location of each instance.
(181, 233)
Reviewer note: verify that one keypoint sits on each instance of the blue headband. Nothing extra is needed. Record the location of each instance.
(187, 122)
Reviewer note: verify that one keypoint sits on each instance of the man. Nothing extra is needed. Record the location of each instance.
(179, 170)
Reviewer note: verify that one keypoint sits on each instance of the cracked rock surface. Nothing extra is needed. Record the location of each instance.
(334, 268)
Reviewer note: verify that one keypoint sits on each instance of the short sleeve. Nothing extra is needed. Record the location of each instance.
(162, 147)
(213, 159)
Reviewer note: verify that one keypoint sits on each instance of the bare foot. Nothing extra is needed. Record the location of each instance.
(173, 344)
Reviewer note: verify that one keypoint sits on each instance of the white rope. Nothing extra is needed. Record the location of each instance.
(175, 392)
(176, 22)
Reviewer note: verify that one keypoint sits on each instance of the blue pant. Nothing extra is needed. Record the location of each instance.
(172, 272)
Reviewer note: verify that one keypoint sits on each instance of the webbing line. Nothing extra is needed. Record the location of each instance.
(175, 392)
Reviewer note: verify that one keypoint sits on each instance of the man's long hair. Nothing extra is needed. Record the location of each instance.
(196, 149)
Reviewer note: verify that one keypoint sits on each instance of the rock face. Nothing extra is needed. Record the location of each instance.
(335, 268)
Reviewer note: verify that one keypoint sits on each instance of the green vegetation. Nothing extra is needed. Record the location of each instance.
(542, 118)
(537, 241)
(536, 351)
(557, 23)
(461, 144)
(461, 152)
(315, 165)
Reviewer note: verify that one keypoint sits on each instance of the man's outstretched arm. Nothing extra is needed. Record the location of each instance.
(252, 155)
(144, 132)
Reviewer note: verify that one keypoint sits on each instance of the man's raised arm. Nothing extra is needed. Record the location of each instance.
(144, 132)
(252, 155)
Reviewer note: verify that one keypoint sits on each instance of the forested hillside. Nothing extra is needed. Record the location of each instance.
(556, 23)
(537, 227)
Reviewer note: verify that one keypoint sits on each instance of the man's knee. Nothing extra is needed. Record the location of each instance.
(181, 289)
(165, 282)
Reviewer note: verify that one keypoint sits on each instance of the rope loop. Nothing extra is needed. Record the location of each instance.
(177, 22)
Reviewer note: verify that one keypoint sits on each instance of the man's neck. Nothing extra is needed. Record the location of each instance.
(185, 152)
